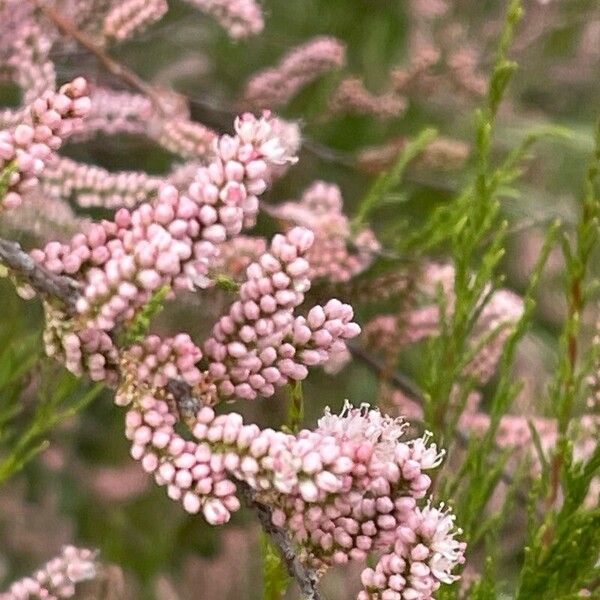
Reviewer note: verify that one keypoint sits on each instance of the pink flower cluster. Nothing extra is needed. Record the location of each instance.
(277, 86)
(171, 242)
(352, 96)
(81, 349)
(356, 478)
(57, 578)
(394, 332)
(155, 361)
(165, 119)
(424, 553)
(89, 185)
(261, 344)
(442, 154)
(26, 148)
(352, 486)
(113, 112)
(182, 136)
(192, 472)
(132, 16)
(240, 18)
(346, 489)
(334, 254)
(513, 430)
(33, 70)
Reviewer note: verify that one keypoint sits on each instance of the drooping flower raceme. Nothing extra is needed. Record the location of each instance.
(240, 18)
(113, 112)
(261, 344)
(346, 489)
(353, 97)
(28, 56)
(90, 186)
(132, 16)
(425, 552)
(170, 242)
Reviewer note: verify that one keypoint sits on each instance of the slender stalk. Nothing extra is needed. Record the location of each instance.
(578, 256)
(38, 277)
(306, 578)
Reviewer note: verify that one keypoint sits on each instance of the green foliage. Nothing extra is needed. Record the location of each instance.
(390, 180)
(5, 176)
(296, 407)
(560, 567)
(485, 588)
(59, 398)
(226, 283)
(475, 232)
(139, 327)
(558, 562)
(275, 577)
(568, 382)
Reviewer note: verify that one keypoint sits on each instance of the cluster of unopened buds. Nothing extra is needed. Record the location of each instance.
(353, 97)
(261, 343)
(348, 488)
(115, 112)
(335, 254)
(57, 578)
(132, 16)
(172, 241)
(276, 86)
(241, 18)
(423, 552)
(92, 186)
(26, 148)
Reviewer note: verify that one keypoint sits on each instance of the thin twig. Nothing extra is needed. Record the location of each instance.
(400, 381)
(110, 64)
(38, 277)
(306, 578)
